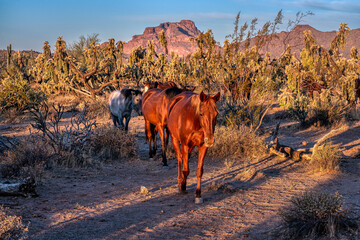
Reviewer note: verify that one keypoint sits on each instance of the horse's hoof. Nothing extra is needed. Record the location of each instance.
(181, 192)
(198, 200)
(166, 167)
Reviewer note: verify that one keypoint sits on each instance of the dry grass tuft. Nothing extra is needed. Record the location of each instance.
(98, 109)
(110, 143)
(26, 160)
(326, 158)
(12, 227)
(237, 143)
(247, 174)
(221, 187)
(313, 215)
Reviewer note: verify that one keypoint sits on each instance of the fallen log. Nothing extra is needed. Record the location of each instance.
(24, 188)
(288, 152)
(298, 154)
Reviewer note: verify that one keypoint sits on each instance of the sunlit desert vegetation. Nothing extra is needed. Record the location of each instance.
(317, 90)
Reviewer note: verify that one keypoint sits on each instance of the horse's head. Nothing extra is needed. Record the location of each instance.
(208, 113)
(137, 101)
(149, 85)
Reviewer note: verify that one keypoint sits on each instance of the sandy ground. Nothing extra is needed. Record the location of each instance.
(240, 201)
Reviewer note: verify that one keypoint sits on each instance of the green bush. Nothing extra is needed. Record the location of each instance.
(296, 104)
(328, 109)
(17, 93)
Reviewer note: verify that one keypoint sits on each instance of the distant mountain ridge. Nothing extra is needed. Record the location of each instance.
(178, 36)
(296, 40)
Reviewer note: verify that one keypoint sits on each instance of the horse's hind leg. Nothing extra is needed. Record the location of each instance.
(127, 120)
(114, 119)
(149, 132)
(163, 144)
(153, 132)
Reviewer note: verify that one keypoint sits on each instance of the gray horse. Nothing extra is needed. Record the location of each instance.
(121, 104)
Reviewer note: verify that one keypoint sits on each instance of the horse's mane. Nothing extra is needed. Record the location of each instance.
(172, 92)
(126, 92)
(137, 92)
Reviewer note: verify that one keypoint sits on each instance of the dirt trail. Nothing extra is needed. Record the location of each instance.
(240, 201)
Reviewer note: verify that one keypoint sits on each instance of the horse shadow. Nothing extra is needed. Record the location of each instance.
(149, 218)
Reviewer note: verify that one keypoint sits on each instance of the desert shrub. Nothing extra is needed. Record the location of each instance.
(98, 109)
(237, 143)
(12, 227)
(296, 104)
(316, 214)
(326, 158)
(110, 143)
(249, 113)
(328, 109)
(68, 142)
(17, 93)
(28, 159)
(81, 143)
(354, 113)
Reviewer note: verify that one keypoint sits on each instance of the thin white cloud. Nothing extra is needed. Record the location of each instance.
(338, 6)
(166, 17)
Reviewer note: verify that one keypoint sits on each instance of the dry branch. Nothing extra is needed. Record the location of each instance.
(7, 143)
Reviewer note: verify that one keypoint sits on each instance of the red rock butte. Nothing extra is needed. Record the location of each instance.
(177, 34)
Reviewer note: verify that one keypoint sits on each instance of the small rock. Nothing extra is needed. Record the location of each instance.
(144, 190)
(303, 143)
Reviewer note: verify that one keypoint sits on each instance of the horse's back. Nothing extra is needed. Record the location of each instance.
(166, 85)
(120, 101)
(183, 98)
(156, 103)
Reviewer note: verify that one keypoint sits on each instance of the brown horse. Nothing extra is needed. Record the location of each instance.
(155, 84)
(166, 85)
(191, 122)
(311, 86)
(155, 110)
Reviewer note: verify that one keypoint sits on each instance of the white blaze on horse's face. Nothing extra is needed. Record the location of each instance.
(146, 89)
(208, 114)
(208, 120)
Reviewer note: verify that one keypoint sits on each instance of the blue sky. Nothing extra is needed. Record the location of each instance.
(26, 24)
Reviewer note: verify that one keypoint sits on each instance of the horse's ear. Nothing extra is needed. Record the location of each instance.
(216, 97)
(202, 96)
